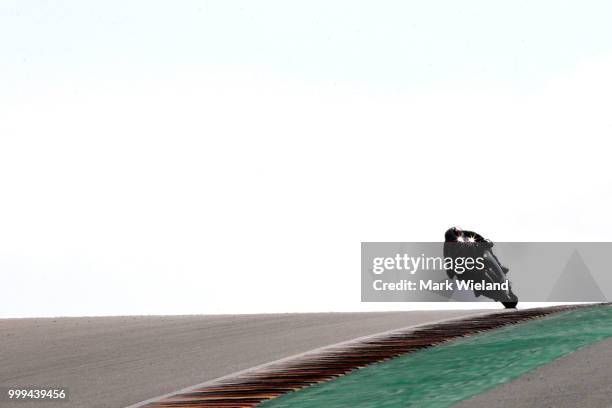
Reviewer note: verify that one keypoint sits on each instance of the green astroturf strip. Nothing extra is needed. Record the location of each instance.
(443, 375)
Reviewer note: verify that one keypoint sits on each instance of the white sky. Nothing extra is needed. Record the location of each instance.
(224, 157)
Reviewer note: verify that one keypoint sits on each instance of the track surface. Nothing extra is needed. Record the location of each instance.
(581, 379)
(118, 361)
(415, 366)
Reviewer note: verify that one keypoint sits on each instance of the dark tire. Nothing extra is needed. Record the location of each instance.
(509, 305)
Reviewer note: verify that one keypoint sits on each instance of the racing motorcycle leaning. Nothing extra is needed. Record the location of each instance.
(460, 243)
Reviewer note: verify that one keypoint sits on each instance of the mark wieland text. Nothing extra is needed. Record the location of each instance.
(430, 285)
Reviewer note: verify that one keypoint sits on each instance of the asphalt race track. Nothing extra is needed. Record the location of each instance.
(118, 361)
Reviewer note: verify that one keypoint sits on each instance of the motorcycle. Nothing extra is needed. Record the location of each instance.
(468, 244)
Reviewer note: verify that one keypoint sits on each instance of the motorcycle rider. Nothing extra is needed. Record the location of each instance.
(458, 242)
(469, 244)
